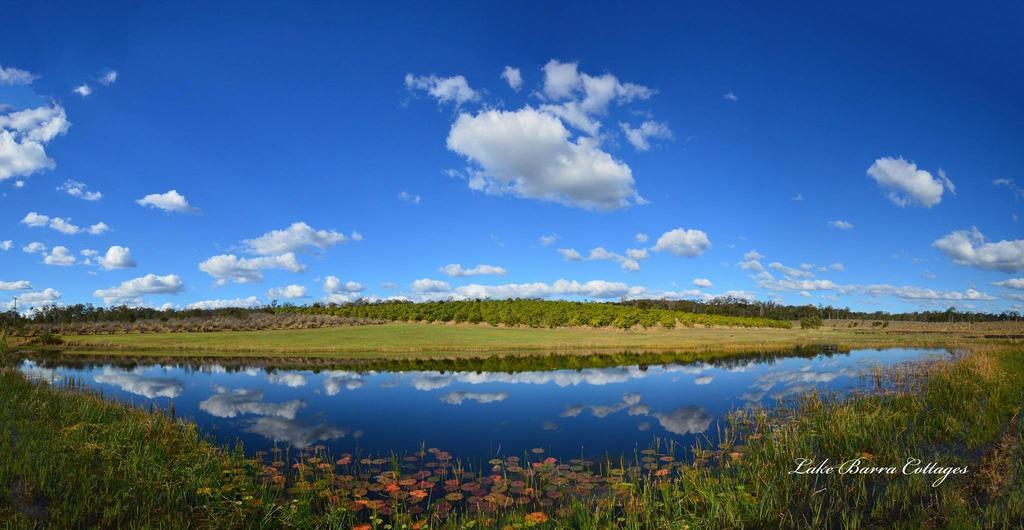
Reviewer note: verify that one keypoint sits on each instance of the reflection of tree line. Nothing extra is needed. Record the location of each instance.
(498, 363)
(278, 421)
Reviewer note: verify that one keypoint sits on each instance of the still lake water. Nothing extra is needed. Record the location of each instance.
(475, 415)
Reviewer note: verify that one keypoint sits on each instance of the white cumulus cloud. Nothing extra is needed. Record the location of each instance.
(229, 267)
(453, 89)
(297, 237)
(455, 270)
(570, 254)
(248, 302)
(117, 257)
(15, 76)
(288, 291)
(906, 185)
(427, 285)
(132, 291)
(78, 189)
(34, 247)
(23, 137)
(513, 77)
(35, 299)
(60, 256)
(19, 285)
(530, 154)
(682, 242)
(640, 137)
(171, 201)
(64, 226)
(971, 248)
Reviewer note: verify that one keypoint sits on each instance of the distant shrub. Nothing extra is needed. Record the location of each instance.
(48, 339)
(811, 322)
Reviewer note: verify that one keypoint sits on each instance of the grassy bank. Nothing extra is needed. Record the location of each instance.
(411, 340)
(70, 459)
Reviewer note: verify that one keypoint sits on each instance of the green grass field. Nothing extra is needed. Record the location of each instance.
(429, 340)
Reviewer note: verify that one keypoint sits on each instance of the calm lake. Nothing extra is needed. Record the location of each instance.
(572, 413)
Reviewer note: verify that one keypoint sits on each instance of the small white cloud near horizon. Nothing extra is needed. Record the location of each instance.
(131, 291)
(456, 270)
(48, 296)
(333, 285)
(702, 282)
(427, 285)
(19, 285)
(288, 291)
(170, 201)
(229, 267)
(1012, 283)
(339, 292)
(972, 249)
(248, 302)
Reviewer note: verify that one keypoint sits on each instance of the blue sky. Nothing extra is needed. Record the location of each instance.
(866, 156)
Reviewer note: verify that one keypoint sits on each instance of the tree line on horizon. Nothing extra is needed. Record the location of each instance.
(537, 314)
(530, 312)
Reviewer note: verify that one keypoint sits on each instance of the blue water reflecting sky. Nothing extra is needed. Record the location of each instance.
(586, 412)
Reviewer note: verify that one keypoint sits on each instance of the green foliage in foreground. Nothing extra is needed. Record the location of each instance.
(536, 314)
(70, 459)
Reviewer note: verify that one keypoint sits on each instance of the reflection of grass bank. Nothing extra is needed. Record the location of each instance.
(78, 461)
(405, 340)
(493, 363)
